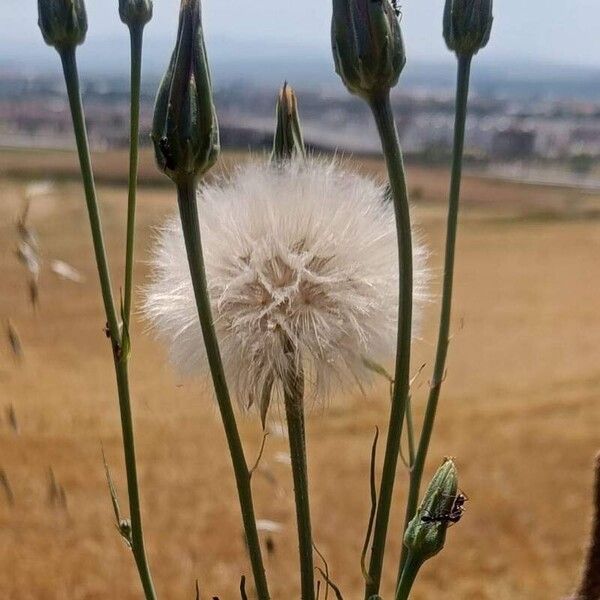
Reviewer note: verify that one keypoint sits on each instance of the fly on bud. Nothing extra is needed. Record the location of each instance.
(63, 22)
(442, 505)
(185, 131)
(367, 45)
(467, 25)
(288, 140)
(135, 12)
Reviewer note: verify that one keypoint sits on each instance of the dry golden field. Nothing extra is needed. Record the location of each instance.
(520, 412)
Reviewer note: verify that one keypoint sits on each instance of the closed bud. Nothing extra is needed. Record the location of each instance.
(367, 45)
(63, 22)
(426, 534)
(467, 25)
(135, 12)
(185, 131)
(288, 140)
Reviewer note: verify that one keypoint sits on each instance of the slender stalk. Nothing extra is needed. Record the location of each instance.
(410, 430)
(382, 111)
(137, 531)
(188, 209)
(121, 362)
(136, 34)
(294, 412)
(409, 574)
(69, 63)
(462, 93)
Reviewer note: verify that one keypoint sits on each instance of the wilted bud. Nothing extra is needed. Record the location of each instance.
(288, 140)
(135, 12)
(126, 531)
(63, 22)
(426, 533)
(467, 25)
(185, 131)
(367, 45)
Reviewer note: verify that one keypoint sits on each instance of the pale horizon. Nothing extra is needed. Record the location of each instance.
(523, 33)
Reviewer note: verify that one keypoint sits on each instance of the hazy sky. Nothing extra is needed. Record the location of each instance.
(551, 30)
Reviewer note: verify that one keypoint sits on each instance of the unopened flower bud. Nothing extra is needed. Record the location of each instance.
(185, 131)
(426, 534)
(135, 12)
(467, 25)
(63, 22)
(288, 140)
(367, 45)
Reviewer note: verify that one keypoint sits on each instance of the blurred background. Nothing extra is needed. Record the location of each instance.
(520, 408)
(535, 103)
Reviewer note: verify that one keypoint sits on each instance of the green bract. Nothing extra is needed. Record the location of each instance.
(288, 140)
(135, 12)
(425, 539)
(467, 25)
(367, 45)
(63, 22)
(185, 131)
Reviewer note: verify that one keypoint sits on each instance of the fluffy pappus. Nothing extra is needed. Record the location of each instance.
(302, 265)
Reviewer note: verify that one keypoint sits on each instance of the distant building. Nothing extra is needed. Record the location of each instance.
(513, 143)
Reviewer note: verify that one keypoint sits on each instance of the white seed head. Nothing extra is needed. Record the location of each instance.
(301, 255)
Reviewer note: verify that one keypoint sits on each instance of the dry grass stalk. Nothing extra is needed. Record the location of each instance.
(5, 485)
(14, 341)
(57, 496)
(28, 251)
(11, 417)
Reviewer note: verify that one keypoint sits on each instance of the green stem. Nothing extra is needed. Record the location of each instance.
(69, 63)
(294, 412)
(137, 531)
(410, 431)
(121, 365)
(386, 126)
(136, 33)
(188, 209)
(409, 574)
(462, 94)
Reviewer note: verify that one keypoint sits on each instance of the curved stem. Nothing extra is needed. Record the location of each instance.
(294, 412)
(188, 210)
(120, 358)
(409, 574)
(136, 33)
(386, 126)
(462, 93)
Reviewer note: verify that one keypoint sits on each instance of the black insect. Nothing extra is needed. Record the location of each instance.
(397, 8)
(167, 153)
(454, 515)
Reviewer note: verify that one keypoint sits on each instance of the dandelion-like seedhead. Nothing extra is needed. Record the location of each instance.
(301, 262)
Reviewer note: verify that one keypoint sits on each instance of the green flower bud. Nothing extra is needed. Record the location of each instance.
(467, 25)
(63, 22)
(288, 140)
(135, 12)
(426, 533)
(185, 131)
(367, 45)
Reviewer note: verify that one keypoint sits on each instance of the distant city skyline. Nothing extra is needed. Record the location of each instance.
(533, 31)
